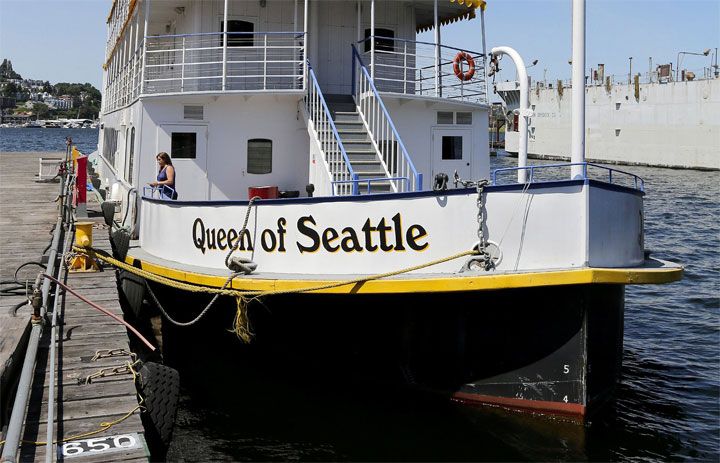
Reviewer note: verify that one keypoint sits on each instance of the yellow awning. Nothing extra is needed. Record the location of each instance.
(449, 11)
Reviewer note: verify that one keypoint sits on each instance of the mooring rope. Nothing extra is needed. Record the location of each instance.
(243, 297)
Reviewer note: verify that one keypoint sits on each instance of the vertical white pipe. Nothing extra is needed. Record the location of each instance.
(372, 39)
(484, 49)
(359, 22)
(523, 109)
(436, 23)
(145, 34)
(305, 41)
(578, 89)
(225, 36)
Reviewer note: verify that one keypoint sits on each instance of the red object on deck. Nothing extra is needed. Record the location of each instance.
(81, 181)
(263, 192)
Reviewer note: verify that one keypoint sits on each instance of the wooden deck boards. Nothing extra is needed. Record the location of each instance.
(81, 407)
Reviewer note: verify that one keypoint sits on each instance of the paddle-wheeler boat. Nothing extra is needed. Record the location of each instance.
(336, 167)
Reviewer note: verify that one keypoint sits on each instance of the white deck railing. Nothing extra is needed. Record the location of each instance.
(384, 136)
(202, 62)
(342, 177)
(410, 67)
(122, 84)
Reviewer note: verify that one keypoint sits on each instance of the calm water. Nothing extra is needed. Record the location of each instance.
(667, 407)
(15, 140)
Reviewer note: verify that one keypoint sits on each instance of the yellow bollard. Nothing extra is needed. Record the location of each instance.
(83, 234)
(83, 239)
(75, 154)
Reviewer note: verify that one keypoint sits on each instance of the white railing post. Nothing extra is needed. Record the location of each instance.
(225, 37)
(484, 47)
(438, 93)
(265, 62)
(372, 39)
(305, 39)
(182, 67)
(405, 67)
(144, 45)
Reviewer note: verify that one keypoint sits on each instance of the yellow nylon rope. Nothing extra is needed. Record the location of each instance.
(241, 323)
(235, 293)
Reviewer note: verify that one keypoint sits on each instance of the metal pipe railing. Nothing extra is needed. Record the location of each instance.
(197, 62)
(411, 67)
(638, 182)
(53, 348)
(335, 157)
(385, 137)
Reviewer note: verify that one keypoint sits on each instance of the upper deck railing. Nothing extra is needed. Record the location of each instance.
(556, 172)
(204, 62)
(274, 61)
(415, 68)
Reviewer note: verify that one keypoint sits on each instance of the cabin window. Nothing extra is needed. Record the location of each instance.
(193, 112)
(131, 156)
(183, 145)
(239, 33)
(259, 156)
(452, 147)
(383, 39)
(444, 117)
(463, 118)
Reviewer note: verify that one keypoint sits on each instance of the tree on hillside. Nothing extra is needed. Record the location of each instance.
(6, 70)
(41, 110)
(10, 90)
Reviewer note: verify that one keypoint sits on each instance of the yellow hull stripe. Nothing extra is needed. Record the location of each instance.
(628, 276)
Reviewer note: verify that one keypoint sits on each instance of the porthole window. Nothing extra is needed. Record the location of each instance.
(183, 145)
(259, 156)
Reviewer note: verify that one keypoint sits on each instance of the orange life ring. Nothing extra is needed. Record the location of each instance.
(467, 75)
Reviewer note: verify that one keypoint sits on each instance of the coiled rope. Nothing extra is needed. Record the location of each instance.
(241, 326)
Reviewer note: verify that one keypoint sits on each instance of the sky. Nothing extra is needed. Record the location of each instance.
(64, 40)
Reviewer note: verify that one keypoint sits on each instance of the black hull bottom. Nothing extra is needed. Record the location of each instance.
(549, 350)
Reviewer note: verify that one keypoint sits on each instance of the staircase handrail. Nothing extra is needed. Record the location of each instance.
(353, 177)
(416, 183)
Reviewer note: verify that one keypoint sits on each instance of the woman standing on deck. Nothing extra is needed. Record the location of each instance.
(165, 177)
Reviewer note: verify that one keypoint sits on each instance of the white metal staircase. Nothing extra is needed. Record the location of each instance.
(362, 154)
(356, 161)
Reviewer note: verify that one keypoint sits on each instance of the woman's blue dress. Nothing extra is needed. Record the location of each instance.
(166, 191)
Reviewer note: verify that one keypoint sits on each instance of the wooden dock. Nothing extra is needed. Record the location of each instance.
(84, 408)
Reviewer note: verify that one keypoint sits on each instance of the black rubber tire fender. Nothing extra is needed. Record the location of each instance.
(159, 385)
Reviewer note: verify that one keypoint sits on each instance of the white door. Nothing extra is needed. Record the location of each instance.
(333, 64)
(452, 151)
(187, 146)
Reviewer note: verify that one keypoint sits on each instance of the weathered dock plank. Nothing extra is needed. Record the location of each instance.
(28, 213)
(80, 407)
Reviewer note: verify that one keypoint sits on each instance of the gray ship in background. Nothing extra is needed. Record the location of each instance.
(666, 118)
